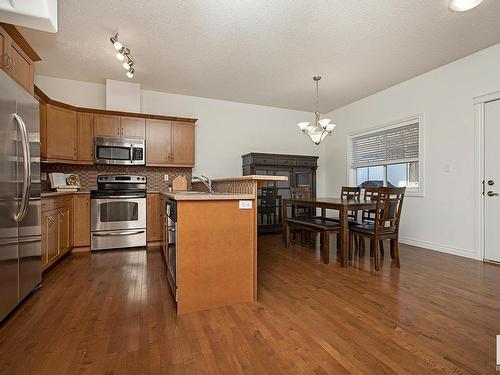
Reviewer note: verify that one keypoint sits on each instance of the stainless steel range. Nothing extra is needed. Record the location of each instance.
(118, 212)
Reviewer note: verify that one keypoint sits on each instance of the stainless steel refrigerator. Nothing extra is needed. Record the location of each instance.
(20, 205)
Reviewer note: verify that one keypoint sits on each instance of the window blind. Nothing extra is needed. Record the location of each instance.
(390, 146)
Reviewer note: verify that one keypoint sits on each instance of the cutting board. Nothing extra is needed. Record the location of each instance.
(179, 183)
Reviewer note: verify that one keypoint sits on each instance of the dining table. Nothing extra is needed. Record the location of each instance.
(342, 205)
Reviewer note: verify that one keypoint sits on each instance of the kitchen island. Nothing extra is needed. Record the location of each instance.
(210, 243)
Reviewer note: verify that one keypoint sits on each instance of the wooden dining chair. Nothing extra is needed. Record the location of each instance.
(385, 225)
(267, 207)
(368, 216)
(348, 192)
(301, 192)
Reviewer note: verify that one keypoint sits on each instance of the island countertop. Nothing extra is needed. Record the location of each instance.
(199, 196)
(255, 177)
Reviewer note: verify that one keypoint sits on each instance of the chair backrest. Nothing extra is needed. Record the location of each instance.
(371, 193)
(388, 211)
(351, 192)
(269, 195)
(300, 192)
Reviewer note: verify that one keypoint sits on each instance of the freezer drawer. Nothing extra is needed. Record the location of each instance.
(117, 239)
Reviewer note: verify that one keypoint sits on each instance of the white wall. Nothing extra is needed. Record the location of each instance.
(225, 130)
(444, 218)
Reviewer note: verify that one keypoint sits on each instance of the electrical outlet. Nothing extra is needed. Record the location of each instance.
(165, 177)
(245, 205)
(43, 176)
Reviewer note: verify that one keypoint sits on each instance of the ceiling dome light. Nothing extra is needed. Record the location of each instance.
(130, 73)
(463, 5)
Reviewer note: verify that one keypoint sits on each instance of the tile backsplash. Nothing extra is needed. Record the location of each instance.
(88, 174)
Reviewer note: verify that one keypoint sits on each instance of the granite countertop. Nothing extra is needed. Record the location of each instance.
(46, 194)
(202, 196)
(252, 177)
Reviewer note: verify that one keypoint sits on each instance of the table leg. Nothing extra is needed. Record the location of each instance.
(283, 223)
(344, 237)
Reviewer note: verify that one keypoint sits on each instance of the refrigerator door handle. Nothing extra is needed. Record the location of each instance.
(26, 166)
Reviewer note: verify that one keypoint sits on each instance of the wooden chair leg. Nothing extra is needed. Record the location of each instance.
(352, 241)
(338, 241)
(376, 255)
(381, 246)
(287, 235)
(392, 248)
(361, 246)
(371, 248)
(396, 251)
(325, 248)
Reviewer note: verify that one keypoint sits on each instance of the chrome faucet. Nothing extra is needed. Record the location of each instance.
(205, 180)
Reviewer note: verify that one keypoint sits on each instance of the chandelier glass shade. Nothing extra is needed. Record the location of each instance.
(319, 129)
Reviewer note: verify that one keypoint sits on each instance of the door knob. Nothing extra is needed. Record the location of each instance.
(492, 193)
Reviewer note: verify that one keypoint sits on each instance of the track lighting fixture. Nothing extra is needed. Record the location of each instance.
(123, 54)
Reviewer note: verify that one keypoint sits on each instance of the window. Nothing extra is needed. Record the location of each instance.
(390, 155)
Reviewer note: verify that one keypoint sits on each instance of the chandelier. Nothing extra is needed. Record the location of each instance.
(319, 129)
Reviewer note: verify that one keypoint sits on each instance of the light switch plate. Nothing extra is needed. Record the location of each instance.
(43, 176)
(245, 205)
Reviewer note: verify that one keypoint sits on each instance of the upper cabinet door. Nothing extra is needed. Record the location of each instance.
(15, 62)
(133, 127)
(107, 126)
(158, 142)
(183, 143)
(61, 133)
(85, 123)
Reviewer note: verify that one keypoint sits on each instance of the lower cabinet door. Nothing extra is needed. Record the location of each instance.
(64, 230)
(45, 255)
(52, 242)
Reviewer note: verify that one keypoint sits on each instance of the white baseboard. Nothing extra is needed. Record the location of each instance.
(441, 248)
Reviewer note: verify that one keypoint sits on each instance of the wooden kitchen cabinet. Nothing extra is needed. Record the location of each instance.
(81, 220)
(119, 126)
(158, 142)
(85, 131)
(60, 134)
(133, 127)
(153, 215)
(15, 62)
(57, 226)
(183, 143)
(107, 125)
(49, 238)
(65, 230)
(169, 143)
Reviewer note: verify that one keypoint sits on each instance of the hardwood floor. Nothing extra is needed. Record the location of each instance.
(112, 313)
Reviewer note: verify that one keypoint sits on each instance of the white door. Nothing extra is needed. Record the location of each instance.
(492, 180)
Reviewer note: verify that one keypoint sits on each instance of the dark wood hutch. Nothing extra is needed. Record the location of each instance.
(300, 170)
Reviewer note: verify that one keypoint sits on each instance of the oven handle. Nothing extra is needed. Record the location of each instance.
(117, 233)
(131, 153)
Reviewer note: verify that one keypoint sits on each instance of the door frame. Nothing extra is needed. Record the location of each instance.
(479, 188)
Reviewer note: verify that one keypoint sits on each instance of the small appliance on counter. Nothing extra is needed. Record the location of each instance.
(118, 212)
(64, 182)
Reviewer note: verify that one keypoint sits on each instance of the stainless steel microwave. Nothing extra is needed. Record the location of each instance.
(119, 151)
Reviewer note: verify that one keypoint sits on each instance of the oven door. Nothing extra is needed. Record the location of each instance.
(118, 213)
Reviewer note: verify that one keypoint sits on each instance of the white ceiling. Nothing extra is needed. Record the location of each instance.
(262, 51)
